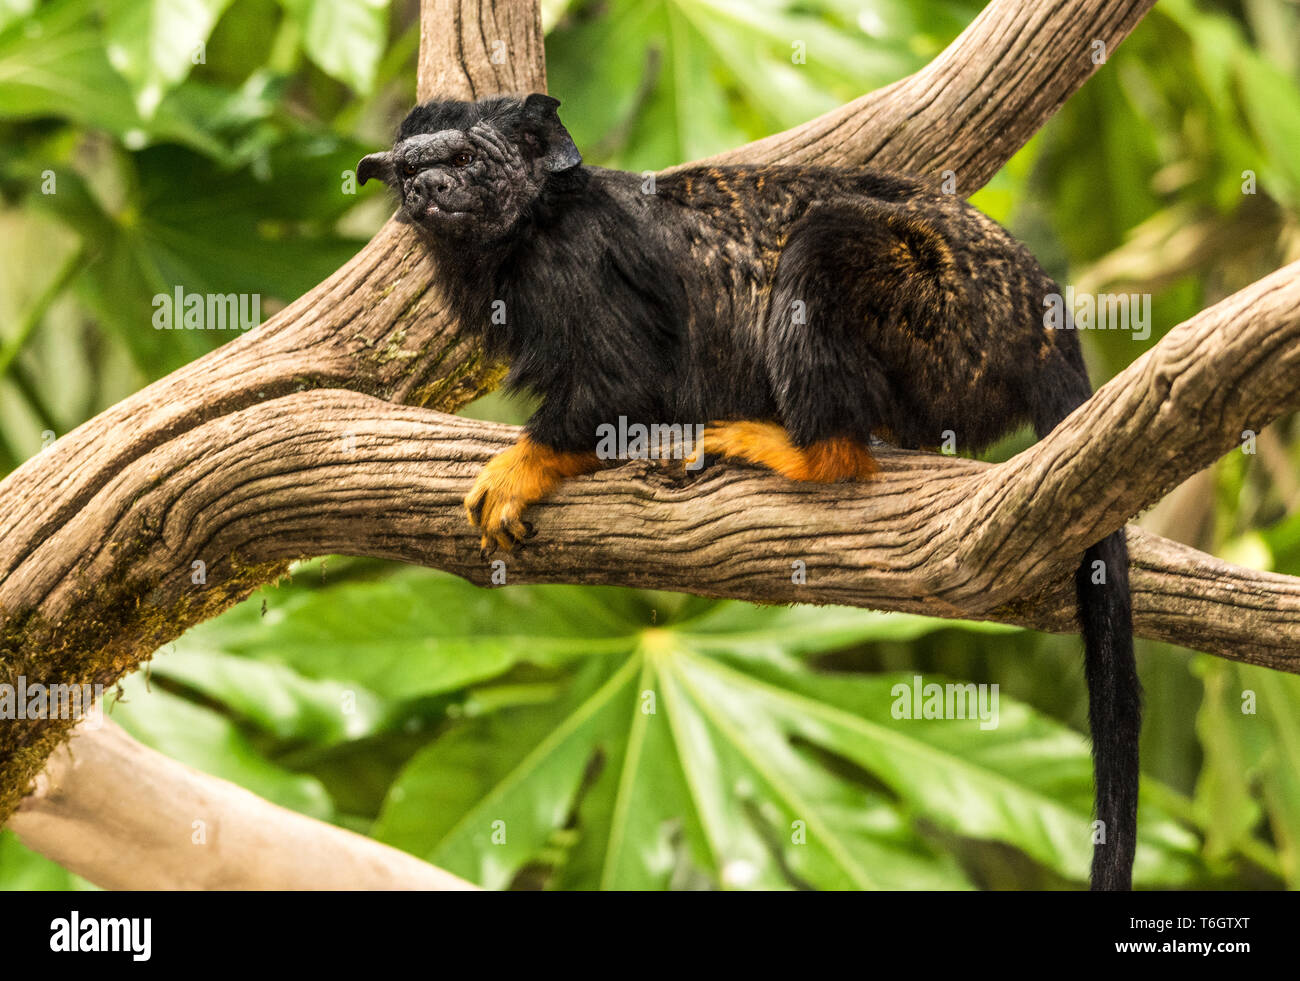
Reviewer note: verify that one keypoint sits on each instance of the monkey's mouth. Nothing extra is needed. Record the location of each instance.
(438, 217)
(437, 212)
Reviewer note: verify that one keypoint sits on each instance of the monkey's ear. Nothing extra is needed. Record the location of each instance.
(558, 151)
(378, 165)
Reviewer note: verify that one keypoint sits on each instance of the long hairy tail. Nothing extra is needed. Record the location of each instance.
(1114, 692)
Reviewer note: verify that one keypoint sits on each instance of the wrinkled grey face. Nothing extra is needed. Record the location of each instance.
(462, 183)
(474, 183)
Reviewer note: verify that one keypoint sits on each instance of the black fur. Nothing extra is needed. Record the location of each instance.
(838, 303)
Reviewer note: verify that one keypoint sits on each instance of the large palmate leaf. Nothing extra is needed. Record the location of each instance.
(610, 738)
(662, 793)
(689, 760)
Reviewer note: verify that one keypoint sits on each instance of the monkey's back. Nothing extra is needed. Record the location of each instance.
(938, 305)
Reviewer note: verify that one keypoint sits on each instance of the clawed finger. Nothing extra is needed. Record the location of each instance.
(515, 527)
(506, 536)
(496, 538)
(474, 506)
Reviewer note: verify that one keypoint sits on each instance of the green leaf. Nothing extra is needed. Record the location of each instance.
(12, 10)
(419, 633)
(489, 797)
(52, 63)
(1272, 104)
(553, 11)
(1279, 700)
(698, 751)
(1025, 781)
(1283, 541)
(274, 697)
(155, 43)
(236, 236)
(345, 38)
(807, 824)
(743, 627)
(648, 83)
(689, 762)
(1232, 759)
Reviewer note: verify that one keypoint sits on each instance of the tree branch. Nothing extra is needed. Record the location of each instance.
(469, 49)
(318, 473)
(125, 817)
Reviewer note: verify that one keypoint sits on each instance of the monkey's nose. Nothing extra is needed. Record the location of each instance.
(424, 188)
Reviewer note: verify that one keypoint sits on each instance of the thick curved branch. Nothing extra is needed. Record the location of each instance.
(317, 473)
(278, 482)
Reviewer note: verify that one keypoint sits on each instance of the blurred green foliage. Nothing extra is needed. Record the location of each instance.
(572, 737)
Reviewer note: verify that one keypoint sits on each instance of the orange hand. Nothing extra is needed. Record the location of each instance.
(768, 445)
(511, 481)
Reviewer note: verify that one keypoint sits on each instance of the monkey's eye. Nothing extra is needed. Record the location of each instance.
(462, 159)
(409, 169)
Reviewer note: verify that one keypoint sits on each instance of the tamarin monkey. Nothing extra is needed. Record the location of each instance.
(795, 311)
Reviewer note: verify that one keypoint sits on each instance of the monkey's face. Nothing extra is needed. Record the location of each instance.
(468, 171)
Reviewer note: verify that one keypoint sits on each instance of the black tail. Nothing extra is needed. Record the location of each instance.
(1114, 693)
(1114, 705)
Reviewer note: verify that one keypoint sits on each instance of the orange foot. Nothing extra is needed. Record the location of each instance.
(768, 444)
(511, 481)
